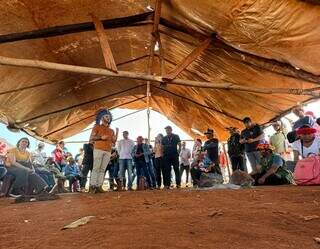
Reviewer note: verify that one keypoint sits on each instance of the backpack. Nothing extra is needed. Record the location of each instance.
(307, 170)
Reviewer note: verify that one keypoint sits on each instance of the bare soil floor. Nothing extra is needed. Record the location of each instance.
(260, 218)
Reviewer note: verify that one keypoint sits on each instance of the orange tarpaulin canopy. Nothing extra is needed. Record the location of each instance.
(258, 44)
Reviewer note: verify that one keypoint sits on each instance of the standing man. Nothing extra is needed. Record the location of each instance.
(102, 137)
(279, 139)
(171, 148)
(124, 149)
(236, 150)
(185, 155)
(211, 146)
(251, 136)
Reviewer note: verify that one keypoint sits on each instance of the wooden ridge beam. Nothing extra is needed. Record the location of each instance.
(189, 59)
(105, 46)
(152, 78)
(76, 28)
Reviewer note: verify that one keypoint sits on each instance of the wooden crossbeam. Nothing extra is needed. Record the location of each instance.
(152, 78)
(105, 46)
(126, 21)
(189, 59)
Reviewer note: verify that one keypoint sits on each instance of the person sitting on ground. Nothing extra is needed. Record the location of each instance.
(73, 174)
(39, 159)
(51, 166)
(308, 143)
(271, 170)
(251, 136)
(141, 156)
(18, 163)
(196, 150)
(204, 165)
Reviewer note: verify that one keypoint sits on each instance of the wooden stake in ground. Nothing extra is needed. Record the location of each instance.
(106, 50)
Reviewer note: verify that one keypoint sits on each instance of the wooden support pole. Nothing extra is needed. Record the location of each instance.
(152, 78)
(106, 50)
(227, 159)
(189, 59)
(154, 36)
(76, 28)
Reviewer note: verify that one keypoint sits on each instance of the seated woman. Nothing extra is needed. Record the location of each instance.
(3, 152)
(308, 143)
(271, 170)
(73, 174)
(18, 164)
(202, 165)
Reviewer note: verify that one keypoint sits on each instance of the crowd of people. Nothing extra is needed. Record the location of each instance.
(138, 165)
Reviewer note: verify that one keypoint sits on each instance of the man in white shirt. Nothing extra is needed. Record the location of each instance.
(308, 143)
(124, 148)
(39, 156)
(185, 155)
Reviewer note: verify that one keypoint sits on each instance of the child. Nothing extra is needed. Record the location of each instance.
(73, 174)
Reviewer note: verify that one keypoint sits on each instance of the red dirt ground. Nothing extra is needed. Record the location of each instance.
(252, 218)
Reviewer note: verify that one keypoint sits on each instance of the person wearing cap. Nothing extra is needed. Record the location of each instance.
(124, 148)
(39, 156)
(236, 150)
(251, 136)
(271, 170)
(171, 148)
(102, 137)
(303, 118)
(279, 139)
(141, 155)
(308, 143)
(211, 147)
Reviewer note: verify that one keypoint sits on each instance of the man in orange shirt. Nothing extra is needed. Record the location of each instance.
(102, 137)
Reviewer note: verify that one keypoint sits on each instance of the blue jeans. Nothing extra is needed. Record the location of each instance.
(151, 174)
(254, 159)
(3, 172)
(47, 176)
(126, 164)
(142, 170)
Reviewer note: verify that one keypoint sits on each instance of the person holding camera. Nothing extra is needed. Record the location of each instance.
(251, 136)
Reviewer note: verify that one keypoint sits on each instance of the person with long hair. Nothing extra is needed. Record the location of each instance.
(19, 165)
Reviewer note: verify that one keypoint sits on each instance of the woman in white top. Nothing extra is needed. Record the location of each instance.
(308, 143)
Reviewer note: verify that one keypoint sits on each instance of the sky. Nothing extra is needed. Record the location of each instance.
(136, 124)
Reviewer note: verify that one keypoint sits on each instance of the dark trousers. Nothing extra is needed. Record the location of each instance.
(171, 160)
(237, 162)
(3, 171)
(195, 175)
(270, 180)
(85, 171)
(159, 169)
(113, 169)
(72, 179)
(47, 176)
(142, 170)
(187, 169)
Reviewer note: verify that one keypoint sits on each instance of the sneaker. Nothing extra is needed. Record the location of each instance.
(100, 190)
